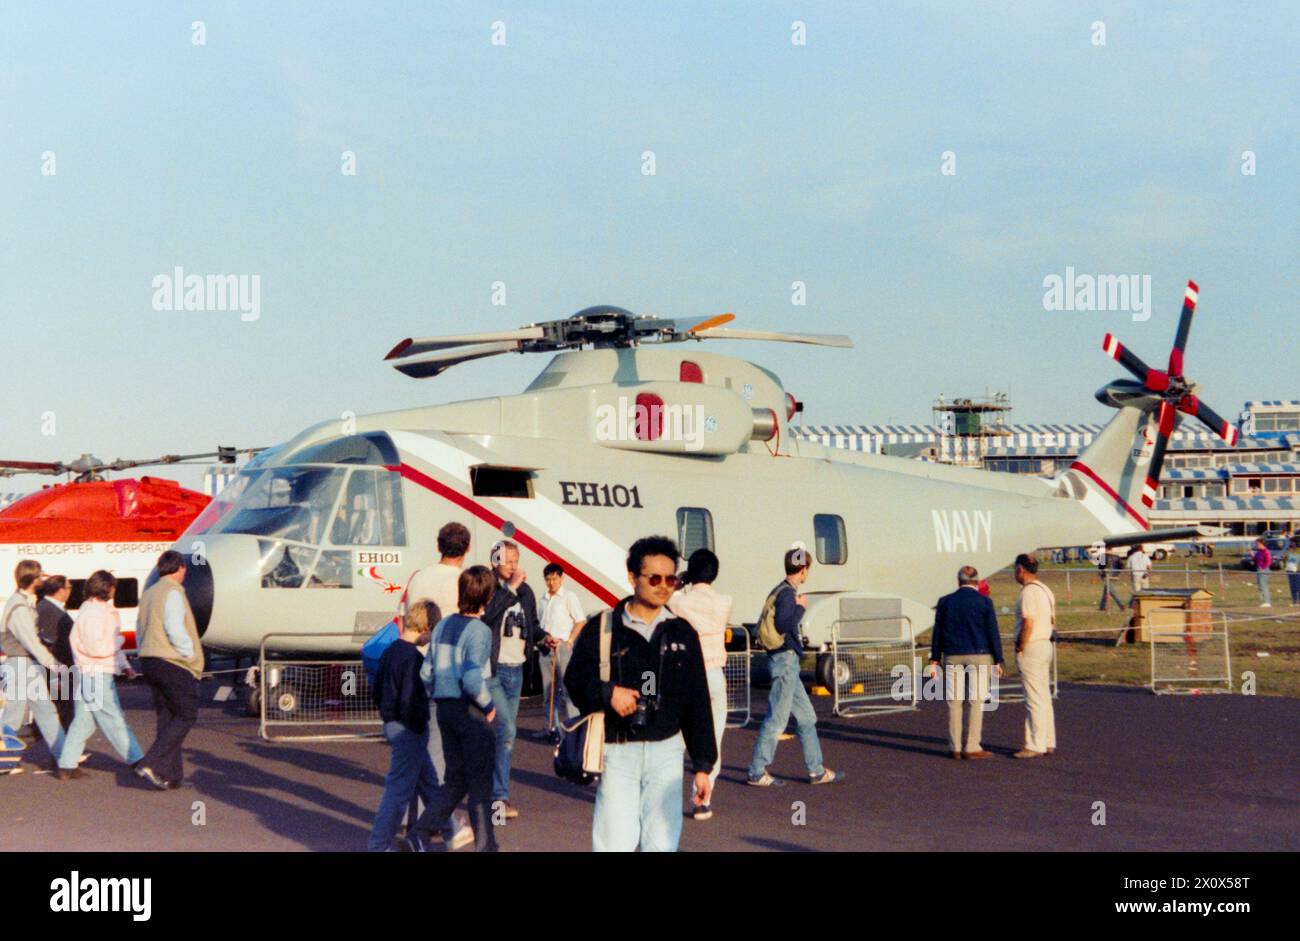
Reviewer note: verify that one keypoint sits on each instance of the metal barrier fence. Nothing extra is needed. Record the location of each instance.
(866, 673)
(314, 700)
(737, 672)
(1087, 579)
(1194, 661)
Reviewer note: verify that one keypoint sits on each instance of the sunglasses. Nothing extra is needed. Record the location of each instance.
(655, 580)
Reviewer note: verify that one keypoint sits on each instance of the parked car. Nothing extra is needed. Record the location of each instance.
(1277, 545)
(1156, 551)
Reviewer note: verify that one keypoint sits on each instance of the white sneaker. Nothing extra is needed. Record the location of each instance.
(1266, 605)
(464, 837)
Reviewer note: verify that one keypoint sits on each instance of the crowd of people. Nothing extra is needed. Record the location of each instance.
(62, 670)
(448, 688)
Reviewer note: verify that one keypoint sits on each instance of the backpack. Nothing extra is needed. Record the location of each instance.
(580, 756)
(372, 651)
(769, 638)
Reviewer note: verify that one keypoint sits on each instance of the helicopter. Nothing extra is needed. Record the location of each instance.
(632, 428)
(90, 522)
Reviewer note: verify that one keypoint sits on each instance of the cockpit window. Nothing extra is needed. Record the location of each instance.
(289, 502)
(370, 513)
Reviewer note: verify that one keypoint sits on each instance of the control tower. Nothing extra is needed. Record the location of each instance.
(967, 427)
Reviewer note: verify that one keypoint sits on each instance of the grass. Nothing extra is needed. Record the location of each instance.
(1094, 657)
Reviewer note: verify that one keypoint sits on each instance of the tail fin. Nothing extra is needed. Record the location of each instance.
(1111, 474)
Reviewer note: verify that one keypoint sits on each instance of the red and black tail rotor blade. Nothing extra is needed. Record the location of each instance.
(1167, 422)
(1153, 379)
(1191, 405)
(1184, 328)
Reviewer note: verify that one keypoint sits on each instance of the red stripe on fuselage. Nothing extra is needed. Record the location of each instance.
(1092, 475)
(496, 522)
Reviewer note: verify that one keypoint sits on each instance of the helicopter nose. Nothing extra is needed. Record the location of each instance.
(198, 588)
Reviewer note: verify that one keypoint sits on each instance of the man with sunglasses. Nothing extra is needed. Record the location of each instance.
(656, 706)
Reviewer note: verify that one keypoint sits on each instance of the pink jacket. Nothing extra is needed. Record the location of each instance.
(708, 612)
(97, 637)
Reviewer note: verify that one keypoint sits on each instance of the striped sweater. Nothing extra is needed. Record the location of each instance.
(458, 664)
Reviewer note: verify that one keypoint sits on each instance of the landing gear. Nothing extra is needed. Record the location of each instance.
(830, 674)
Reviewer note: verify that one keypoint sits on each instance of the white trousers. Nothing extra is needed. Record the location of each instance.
(1035, 665)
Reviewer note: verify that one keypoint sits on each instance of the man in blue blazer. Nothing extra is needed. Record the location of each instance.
(967, 644)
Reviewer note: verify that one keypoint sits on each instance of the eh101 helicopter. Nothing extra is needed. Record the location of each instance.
(632, 429)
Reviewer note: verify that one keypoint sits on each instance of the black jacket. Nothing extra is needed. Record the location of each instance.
(502, 600)
(54, 625)
(399, 692)
(682, 686)
(965, 623)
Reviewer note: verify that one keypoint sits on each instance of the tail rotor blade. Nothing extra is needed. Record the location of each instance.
(1153, 379)
(1168, 421)
(1191, 405)
(1184, 328)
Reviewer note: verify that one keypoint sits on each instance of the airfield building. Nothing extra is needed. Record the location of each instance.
(1248, 489)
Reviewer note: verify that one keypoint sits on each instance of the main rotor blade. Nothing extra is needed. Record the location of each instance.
(9, 468)
(712, 322)
(816, 339)
(1184, 328)
(1167, 423)
(1153, 379)
(1191, 405)
(414, 347)
(437, 363)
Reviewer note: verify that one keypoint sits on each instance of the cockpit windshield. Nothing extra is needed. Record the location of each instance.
(292, 503)
(311, 515)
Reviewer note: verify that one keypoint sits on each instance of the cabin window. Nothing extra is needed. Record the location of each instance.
(694, 530)
(828, 533)
(501, 482)
(127, 595)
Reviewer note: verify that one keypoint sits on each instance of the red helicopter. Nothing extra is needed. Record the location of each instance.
(90, 523)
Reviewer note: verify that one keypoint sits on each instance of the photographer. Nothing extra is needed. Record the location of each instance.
(656, 705)
(511, 615)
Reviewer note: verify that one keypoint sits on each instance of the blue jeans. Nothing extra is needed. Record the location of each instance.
(1261, 579)
(1293, 579)
(409, 771)
(26, 685)
(97, 704)
(505, 686)
(788, 697)
(639, 798)
(561, 710)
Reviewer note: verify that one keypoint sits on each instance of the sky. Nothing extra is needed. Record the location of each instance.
(507, 142)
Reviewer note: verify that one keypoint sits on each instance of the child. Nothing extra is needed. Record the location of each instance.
(404, 706)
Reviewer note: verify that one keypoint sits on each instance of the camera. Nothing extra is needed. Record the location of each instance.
(646, 707)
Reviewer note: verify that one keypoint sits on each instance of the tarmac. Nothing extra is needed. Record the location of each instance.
(1205, 773)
